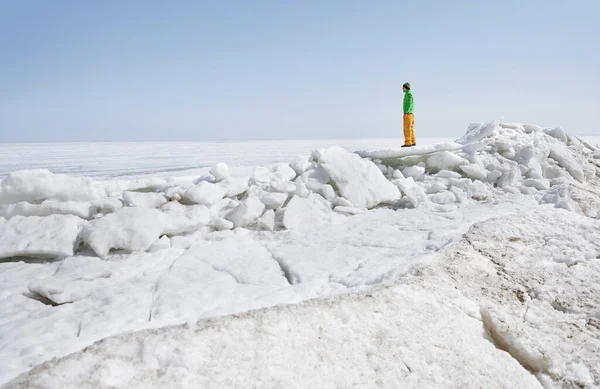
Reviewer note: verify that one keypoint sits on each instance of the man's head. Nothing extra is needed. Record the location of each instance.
(405, 87)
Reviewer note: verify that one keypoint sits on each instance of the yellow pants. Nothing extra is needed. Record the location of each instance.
(409, 129)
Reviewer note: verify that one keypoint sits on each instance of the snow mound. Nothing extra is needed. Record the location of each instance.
(39, 185)
(130, 229)
(33, 236)
(184, 218)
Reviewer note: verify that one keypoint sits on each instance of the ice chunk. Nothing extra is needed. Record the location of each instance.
(220, 171)
(206, 193)
(301, 189)
(181, 242)
(397, 174)
(184, 218)
(220, 224)
(443, 197)
(33, 236)
(447, 174)
(272, 200)
(565, 158)
(234, 186)
(435, 187)
(267, 220)
(315, 178)
(349, 210)
(358, 180)
(85, 210)
(305, 212)
(416, 172)
(163, 243)
(283, 187)
(131, 229)
(475, 170)
(530, 128)
(247, 212)
(538, 184)
(300, 165)
(445, 160)
(38, 185)
(265, 176)
(141, 199)
(342, 202)
(478, 133)
(557, 133)
(328, 192)
(414, 193)
(473, 148)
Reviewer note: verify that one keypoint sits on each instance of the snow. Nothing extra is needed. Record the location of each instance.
(130, 229)
(305, 212)
(358, 180)
(416, 172)
(206, 193)
(479, 270)
(32, 236)
(82, 209)
(184, 218)
(445, 160)
(247, 212)
(220, 171)
(40, 185)
(147, 200)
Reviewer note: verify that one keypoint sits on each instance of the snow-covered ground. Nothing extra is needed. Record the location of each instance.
(458, 263)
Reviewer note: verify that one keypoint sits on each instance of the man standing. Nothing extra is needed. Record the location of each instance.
(409, 117)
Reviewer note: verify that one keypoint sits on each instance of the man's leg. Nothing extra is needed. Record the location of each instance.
(407, 137)
(413, 141)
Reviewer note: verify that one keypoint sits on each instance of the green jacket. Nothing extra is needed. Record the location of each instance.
(409, 105)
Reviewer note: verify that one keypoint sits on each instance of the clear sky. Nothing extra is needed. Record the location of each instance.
(232, 70)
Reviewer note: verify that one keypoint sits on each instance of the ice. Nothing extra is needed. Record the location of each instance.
(272, 200)
(342, 202)
(565, 158)
(358, 180)
(403, 329)
(131, 229)
(445, 160)
(277, 174)
(247, 212)
(147, 200)
(163, 243)
(414, 193)
(314, 178)
(220, 171)
(443, 197)
(234, 186)
(387, 154)
(475, 171)
(32, 236)
(206, 193)
(83, 209)
(184, 218)
(267, 220)
(305, 212)
(482, 131)
(39, 185)
(557, 133)
(416, 172)
(482, 244)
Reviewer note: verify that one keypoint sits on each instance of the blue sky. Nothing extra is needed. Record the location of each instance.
(133, 70)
